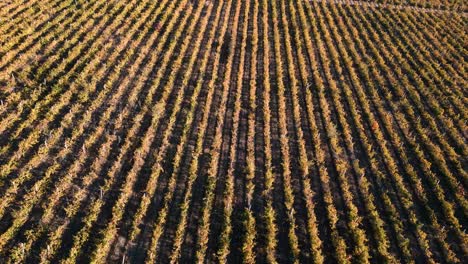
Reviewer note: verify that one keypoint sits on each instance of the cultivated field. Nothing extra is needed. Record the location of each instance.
(213, 131)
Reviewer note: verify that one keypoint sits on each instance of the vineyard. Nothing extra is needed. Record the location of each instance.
(250, 131)
(439, 4)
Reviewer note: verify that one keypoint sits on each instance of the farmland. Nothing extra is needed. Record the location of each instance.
(250, 131)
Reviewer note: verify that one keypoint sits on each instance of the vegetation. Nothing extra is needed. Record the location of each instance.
(249, 131)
